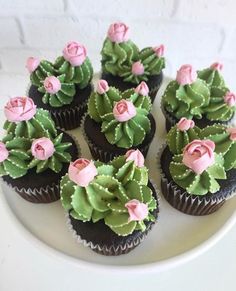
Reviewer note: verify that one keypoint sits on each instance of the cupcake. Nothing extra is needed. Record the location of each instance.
(118, 121)
(110, 207)
(62, 88)
(124, 66)
(34, 155)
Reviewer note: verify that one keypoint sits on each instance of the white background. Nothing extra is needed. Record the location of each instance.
(198, 32)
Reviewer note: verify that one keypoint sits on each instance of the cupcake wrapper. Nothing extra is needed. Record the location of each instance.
(153, 92)
(170, 121)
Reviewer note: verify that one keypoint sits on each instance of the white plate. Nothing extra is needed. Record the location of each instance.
(175, 239)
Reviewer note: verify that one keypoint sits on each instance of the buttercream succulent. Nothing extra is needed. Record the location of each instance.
(212, 75)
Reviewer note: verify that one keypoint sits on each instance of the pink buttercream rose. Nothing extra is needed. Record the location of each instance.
(230, 98)
(82, 172)
(118, 32)
(232, 132)
(137, 210)
(52, 85)
(42, 148)
(136, 156)
(185, 124)
(142, 89)
(32, 64)
(137, 68)
(217, 66)
(199, 155)
(75, 53)
(124, 110)
(186, 75)
(159, 50)
(102, 86)
(20, 109)
(3, 152)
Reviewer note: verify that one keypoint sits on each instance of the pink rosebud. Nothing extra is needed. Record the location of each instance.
(142, 89)
(230, 98)
(124, 110)
(102, 87)
(75, 53)
(232, 132)
(217, 66)
(159, 50)
(20, 109)
(137, 210)
(136, 156)
(185, 124)
(32, 64)
(186, 75)
(118, 32)
(137, 68)
(3, 152)
(82, 172)
(52, 85)
(42, 148)
(198, 155)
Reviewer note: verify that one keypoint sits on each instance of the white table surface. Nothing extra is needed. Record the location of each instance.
(23, 267)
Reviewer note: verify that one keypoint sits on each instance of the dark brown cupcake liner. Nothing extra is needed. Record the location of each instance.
(169, 120)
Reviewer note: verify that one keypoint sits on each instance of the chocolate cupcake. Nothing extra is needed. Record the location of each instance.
(124, 66)
(111, 207)
(118, 121)
(62, 87)
(34, 155)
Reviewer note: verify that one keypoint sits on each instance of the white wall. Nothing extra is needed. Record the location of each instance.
(194, 31)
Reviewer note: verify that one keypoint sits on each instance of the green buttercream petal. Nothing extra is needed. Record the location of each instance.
(116, 219)
(96, 200)
(125, 230)
(81, 204)
(66, 192)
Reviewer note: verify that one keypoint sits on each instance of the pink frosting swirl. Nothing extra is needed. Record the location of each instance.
(199, 155)
(185, 124)
(75, 53)
(136, 156)
(159, 50)
(52, 84)
(124, 110)
(118, 32)
(137, 210)
(3, 152)
(232, 132)
(137, 68)
(186, 75)
(142, 89)
(82, 172)
(32, 64)
(217, 66)
(102, 86)
(230, 98)
(20, 109)
(42, 148)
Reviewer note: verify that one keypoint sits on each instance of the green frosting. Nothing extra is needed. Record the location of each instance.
(44, 70)
(212, 77)
(224, 145)
(194, 183)
(38, 126)
(80, 75)
(55, 162)
(177, 139)
(218, 109)
(186, 100)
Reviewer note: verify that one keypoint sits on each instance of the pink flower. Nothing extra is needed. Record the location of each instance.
(217, 66)
(3, 152)
(32, 64)
(232, 132)
(159, 50)
(185, 124)
(136, 156)
(124, 110)
(186, 75)
(230, 98)
(118, 32)
(82, 172)
(142, 89)
(137, 210)
(52, 85)
(137, 68)
(20, 109)
(42, 148)
(198, 155)
(102, 87)
(75, 53)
